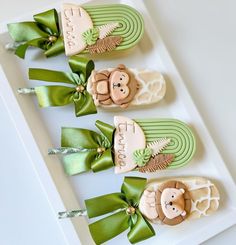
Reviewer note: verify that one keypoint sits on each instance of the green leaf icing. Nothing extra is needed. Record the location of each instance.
(90, 36)
(142, 156)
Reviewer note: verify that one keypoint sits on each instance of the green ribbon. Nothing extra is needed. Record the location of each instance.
(90, 141)
(62, 95)
(43, 33)
(114, 224)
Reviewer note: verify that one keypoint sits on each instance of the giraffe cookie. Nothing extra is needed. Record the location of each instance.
(172, 202)
(118, 87)
(169, 202)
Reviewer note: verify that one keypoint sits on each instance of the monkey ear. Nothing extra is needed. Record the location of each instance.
(182, 190)
(121, 67)
(183, 213)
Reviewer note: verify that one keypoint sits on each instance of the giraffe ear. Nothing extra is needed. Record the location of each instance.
(183, 213)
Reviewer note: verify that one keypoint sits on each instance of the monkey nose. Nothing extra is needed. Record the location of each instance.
(170, 203)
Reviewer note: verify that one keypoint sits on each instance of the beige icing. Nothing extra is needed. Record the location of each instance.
(152, 88)
(204, 198)
(128, 137)
(75, 21)
(119, 90)
(172, 202)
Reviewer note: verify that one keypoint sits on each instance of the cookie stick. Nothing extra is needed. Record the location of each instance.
(144, 145)
(118, 87)
(92, 29)
(170, 201)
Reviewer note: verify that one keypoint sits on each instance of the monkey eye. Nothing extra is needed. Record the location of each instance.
(172, 196)
(173, 208)
(121, 78)
(121, 90)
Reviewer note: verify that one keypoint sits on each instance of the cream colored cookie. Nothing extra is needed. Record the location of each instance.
(201, 194)
(149, 88)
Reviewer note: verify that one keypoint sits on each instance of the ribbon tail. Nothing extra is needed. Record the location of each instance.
(103, 162)
(77, 163)
(141, 230)
(109, 227)
(54, 95)
(84, 104)
(56, 48)
(21, 49)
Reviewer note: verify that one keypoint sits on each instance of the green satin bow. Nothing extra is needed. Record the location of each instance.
(127, 214)
(44, 33)
(63, 95)
(95, 148)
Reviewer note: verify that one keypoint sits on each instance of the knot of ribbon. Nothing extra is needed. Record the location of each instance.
(126, 214)
(95, 155)
(56, 95)
(43, 33)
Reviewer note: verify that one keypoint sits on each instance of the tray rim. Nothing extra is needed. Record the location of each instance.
(48, 185)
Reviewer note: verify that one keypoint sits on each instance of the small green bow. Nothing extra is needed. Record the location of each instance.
(126, 213)
(95, 149)
(55, 95)
(43, 33)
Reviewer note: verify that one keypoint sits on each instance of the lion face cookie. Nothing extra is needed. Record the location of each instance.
(171, 205)
(169, 201)
(172, 202)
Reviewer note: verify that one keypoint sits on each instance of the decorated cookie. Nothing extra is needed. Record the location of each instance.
(113, 87)
(148, 145)
(85, 29)
(168, 202)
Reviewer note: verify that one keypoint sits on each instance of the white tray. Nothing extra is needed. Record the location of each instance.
(39, 129)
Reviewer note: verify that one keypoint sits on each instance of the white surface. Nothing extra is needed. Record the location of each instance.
(205, 59)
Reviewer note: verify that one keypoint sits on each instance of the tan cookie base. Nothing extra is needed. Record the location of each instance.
(152, 88)
(204, 198)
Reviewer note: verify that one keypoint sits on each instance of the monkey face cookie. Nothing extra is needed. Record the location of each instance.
(118, 87)
(112, 87)
(167, 202)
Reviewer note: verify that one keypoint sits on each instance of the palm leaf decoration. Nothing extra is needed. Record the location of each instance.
(159, 162)
(106, 44)
(158, 145)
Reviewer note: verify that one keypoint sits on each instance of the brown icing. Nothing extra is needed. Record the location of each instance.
(173, 194)
(118, 86)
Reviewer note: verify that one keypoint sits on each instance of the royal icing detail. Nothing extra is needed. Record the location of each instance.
(149, 87)
(80, 34)
(190, 197)
(75, 21)
(115, 86)
(172, 202)
(128, 137)
(131, 151)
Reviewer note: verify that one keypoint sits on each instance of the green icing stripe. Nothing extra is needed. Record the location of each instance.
(131, 22)
(183, 143)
